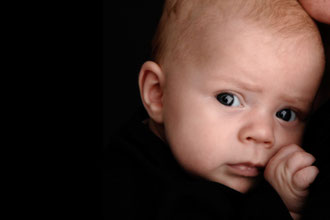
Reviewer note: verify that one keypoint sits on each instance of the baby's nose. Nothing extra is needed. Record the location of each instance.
(258, 130)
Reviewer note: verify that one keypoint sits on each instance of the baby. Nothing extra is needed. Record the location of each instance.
(229, 90)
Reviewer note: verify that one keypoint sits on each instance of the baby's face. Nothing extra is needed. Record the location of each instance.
(230, 109)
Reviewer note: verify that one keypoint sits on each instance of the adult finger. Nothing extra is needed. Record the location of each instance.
(317, 9)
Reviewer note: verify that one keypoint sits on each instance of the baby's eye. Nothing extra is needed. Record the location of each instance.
(228, 99)
(286, 115)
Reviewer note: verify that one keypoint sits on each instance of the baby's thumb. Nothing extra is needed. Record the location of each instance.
(304, 177)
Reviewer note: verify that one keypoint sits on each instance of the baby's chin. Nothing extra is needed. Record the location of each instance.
(242, 188)
(244, 185)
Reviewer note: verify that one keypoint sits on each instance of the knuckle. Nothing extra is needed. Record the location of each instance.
(298, 160)
(298, 155)
(294, 147)
(294, 159)
(302, 179)
(303, 156)
(305, 177)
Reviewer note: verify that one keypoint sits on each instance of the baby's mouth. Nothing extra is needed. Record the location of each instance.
(245, 169)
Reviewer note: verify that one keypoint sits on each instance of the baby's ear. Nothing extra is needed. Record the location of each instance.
(151, 84)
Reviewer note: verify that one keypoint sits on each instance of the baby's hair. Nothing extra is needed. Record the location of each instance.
(183, 19)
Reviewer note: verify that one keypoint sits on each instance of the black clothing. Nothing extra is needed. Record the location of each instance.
(142, 180)
(317, 142)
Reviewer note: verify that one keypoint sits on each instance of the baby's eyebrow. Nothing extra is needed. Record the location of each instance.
(247, 86)
(244, 84)
(296, 100)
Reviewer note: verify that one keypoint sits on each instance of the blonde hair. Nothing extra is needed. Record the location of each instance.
(183, 19)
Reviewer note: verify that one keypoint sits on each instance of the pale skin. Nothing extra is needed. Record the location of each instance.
(223, 116)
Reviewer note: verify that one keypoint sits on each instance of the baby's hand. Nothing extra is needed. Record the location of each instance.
(290, 172)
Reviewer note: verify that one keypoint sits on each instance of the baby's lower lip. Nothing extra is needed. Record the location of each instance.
(244, 170)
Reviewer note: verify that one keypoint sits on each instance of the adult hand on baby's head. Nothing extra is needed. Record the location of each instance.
(317, 9)
(290, 172)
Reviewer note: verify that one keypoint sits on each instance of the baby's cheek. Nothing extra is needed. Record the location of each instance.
(290, 136)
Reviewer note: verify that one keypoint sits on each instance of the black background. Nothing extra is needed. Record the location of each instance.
(127, 31)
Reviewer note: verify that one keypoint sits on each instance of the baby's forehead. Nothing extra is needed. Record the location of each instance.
(271, 11)
(186, 20)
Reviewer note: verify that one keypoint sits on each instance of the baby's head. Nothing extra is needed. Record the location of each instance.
(232, 82)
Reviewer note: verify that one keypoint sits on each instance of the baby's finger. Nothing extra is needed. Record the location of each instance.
(282, 154)
(304, 177)
(298, 160)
